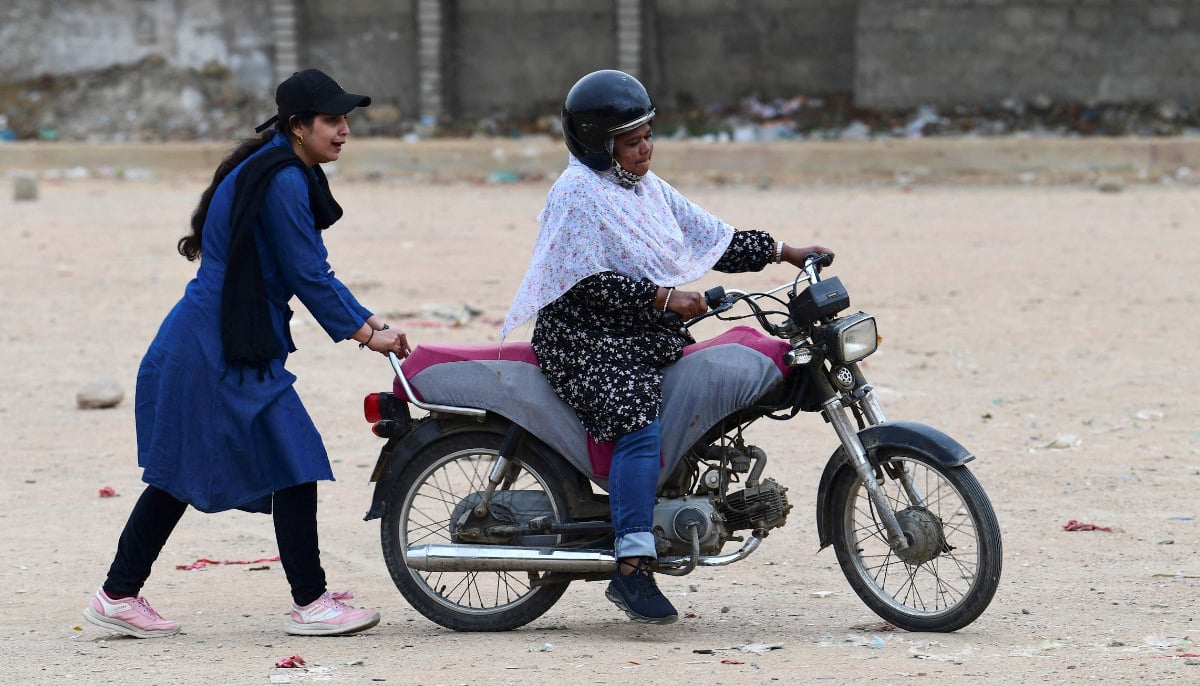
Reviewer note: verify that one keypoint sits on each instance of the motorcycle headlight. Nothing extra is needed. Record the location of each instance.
(853, 337)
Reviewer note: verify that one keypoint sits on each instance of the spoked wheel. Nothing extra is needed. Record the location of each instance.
(948, 574)
(430, 502)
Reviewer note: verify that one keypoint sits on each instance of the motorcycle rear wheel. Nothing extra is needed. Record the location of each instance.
(434, 486)
(950, 572)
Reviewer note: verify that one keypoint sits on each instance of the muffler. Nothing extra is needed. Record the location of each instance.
(457, 557)
(462, 557)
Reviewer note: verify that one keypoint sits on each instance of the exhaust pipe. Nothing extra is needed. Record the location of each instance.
(460, 557)
(450, 557)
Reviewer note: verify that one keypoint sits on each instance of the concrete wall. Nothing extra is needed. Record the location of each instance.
(471, 59)
(368, 45)
(982, 51)
(709, 52)
(519, 58)
(72, 36)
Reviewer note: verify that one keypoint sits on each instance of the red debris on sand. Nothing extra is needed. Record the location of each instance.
(204, 562)
(294, 661)
(1076, 525)
(108, 492)
(730, 661)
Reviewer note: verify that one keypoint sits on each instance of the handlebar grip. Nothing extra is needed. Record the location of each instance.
(820, 259)
(714, 297)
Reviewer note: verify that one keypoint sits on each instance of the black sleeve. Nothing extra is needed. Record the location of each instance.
(749, 251)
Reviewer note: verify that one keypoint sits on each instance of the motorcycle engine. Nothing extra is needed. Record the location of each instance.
(675, 518)
(764, 506)
(760, 507)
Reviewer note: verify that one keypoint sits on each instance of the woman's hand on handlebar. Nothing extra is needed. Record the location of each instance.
(688, 304)
(795, 255)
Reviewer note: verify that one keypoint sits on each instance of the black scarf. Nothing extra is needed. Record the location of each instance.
(246, 331)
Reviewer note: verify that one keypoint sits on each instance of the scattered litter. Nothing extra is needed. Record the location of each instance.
(820, 594)
(98, 395)
(1064, 442)
(731, 661)
(878, 626)
(25, 187)
(204, 562)
(1076, 525)
(1148, 415)
(760, 648)
(293, 662)
(108, 492)
(1177, 575)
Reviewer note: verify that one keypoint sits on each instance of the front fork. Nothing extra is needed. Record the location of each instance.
(835, 410)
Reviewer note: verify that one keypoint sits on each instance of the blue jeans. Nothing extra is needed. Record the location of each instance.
(632, 484)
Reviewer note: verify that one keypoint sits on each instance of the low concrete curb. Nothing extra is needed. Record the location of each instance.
(785, 162)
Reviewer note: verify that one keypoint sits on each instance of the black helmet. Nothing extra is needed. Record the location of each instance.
(599, 106)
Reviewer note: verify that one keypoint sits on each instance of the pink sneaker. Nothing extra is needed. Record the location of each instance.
(130, 616)
(329, 616)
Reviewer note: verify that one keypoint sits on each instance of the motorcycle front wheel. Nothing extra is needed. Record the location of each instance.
(948, 574)
(425, 502)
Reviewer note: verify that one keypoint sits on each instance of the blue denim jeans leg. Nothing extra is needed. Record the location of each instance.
(632, 484)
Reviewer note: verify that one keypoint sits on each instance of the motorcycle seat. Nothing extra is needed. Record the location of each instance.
(429, 354)
(714, 378)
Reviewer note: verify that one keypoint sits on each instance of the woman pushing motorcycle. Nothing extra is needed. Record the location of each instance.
(614, 242)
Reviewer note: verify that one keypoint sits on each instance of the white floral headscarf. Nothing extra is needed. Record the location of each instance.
(592, 224)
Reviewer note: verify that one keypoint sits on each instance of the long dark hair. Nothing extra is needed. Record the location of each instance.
(189, 246)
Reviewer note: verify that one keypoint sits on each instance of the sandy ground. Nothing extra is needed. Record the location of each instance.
(1015, 318)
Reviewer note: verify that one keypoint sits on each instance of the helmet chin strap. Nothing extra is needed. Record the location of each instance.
(625, 178)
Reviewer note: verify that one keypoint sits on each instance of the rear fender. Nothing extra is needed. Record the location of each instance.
(398, 453)
(884, 439)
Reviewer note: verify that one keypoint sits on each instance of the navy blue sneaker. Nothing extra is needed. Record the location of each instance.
(638, 595)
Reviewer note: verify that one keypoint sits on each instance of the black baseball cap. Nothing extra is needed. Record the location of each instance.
(312, 90)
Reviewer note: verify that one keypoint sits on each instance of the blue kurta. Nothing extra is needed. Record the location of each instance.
(217, 437)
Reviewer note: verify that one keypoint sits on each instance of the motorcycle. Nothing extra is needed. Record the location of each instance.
(492, 502)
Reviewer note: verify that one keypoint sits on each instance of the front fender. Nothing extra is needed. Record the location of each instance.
(396, 455)
(910, 437)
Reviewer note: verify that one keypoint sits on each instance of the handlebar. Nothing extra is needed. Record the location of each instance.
(719, 300)
(813, 262)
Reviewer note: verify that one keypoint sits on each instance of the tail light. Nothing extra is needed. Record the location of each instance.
(383, 405)
(388, 415)
(389, 428)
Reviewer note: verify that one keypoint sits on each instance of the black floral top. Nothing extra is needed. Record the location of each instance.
(602, 345)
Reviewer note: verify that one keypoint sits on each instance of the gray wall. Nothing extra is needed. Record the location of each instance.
(516, 58)
(73, 36)
(368, 45)
(982, 51)
(719, 51)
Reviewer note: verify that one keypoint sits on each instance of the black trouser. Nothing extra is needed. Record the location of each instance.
(157, 512)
